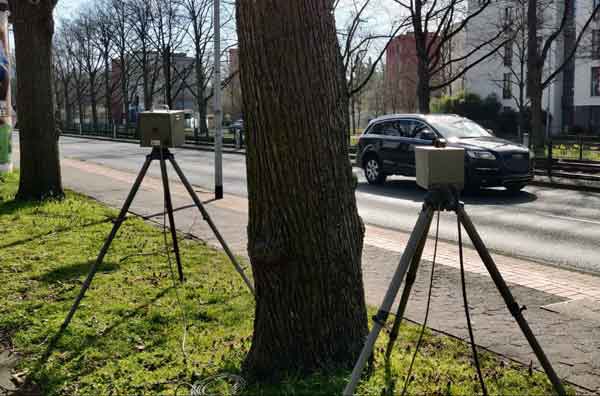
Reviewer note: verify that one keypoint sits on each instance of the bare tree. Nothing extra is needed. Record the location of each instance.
(143, 51)
(83, 31)
(103, 41)
(435, 24)
(39, 163)
(168, 36)
(360, 41)
(198, 14)
(513, 57)
(118, 13)
(63, 74)
(540, 42)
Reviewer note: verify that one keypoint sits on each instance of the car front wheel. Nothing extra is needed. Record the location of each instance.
(373, 171)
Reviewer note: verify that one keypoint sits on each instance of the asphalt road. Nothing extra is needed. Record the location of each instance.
(559, 227)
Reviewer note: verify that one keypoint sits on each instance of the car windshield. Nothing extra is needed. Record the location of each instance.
(457, 127)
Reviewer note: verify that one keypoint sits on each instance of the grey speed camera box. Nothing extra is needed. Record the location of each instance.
(440, 167)
(164, 128)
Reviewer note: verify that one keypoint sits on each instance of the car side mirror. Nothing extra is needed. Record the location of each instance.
(427, 134)
(491, 131)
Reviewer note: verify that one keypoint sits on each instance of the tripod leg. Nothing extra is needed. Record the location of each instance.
(421, 226)
(212, 225)
(512, 305)
(100, 258)
(411, 276)
(169, 207)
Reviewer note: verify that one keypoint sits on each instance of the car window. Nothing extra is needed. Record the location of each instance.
(457, 127)
(388, 128)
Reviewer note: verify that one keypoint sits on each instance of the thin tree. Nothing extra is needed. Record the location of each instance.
(63, 74)
(435, 24)
(84, 32)
(39, 156)
(168, 36)
(304, 233)
(198, 14)
(119, 15)
(147, 61)
(103, 41)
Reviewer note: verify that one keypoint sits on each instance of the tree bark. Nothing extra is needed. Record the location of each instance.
(38, 137)
(304, 233)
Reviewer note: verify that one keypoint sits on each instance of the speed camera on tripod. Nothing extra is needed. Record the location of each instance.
(162, 128)
(440, 167)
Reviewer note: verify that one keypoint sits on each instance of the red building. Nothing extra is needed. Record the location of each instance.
(401, 74)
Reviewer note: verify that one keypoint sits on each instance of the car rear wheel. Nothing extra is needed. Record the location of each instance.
(515, 187)
(373, 170)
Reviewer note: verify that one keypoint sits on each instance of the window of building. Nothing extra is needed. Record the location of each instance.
(595, 81)
(507, 86)
(508, 54)
(595, 44)
(596, 4)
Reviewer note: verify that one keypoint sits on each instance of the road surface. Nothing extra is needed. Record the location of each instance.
(554, 226)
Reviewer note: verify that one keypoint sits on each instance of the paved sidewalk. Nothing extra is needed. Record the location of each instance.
(562, 306)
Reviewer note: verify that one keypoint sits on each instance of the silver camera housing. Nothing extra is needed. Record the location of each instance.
(162, 128)
(440, 167)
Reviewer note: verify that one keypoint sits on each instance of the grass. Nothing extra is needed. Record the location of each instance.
(126, 339)
(564, 151)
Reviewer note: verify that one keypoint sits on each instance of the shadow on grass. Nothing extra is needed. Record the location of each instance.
(54, 232)
(9, 207)
(75, 271)
(47, 380)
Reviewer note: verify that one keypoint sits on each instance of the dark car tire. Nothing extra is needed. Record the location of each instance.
(515, 188)
(373, 170)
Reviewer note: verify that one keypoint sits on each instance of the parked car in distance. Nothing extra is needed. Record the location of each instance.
(237, 126)
(387, 147)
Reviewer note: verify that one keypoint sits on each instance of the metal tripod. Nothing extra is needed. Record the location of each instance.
(160, 154)
(442, 199)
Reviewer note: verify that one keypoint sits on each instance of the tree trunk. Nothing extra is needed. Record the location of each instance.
(107, 91)
(67, 99)
(304, 233)
(423, 90)
(201, 95)
(38, 137)
(537, 123)
(94, 102)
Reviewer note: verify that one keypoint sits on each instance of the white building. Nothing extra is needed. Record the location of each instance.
(573, 97)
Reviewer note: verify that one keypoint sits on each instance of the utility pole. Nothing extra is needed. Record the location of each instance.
(218, 110)
(5, 99)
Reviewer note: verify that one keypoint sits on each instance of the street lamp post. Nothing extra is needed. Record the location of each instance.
(218, 111)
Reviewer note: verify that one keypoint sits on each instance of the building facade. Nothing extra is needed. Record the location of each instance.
(573, 96)
(400, 78)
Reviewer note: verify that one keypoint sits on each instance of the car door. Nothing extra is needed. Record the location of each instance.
(419, 132)
(391, 145)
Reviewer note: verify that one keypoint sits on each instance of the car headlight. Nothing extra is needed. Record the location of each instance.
(485, 155)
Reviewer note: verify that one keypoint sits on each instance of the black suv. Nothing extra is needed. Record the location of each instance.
(387, 147)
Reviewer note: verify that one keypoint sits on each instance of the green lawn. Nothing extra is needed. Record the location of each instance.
(126, 339)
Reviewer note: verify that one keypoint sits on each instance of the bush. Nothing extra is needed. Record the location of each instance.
(468, 105)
